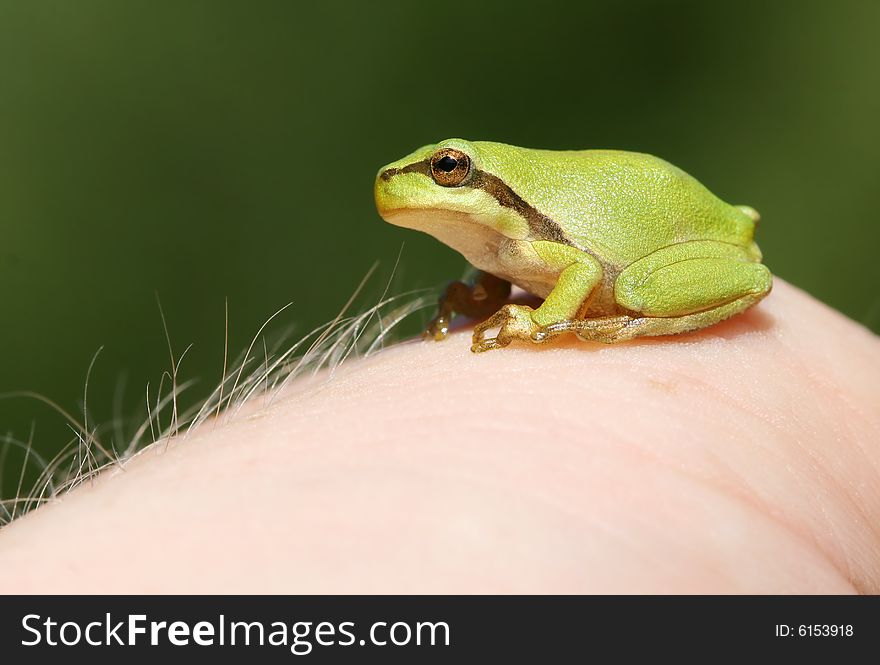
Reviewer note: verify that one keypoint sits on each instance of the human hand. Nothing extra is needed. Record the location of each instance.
(740, 458)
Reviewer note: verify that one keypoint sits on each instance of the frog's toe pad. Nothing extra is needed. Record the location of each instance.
(438, 329)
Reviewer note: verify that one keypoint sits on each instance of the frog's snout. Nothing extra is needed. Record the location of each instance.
(380, 192)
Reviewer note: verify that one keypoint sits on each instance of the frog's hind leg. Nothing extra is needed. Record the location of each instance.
(612, 329)
(681, 288)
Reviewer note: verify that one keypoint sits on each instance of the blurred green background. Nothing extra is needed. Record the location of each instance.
(212, 150)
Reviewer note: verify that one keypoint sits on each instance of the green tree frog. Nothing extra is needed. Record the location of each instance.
(618, 244)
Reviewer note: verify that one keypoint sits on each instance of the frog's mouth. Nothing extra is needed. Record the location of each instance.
(529, 222)
(485, 216)
(448, 226)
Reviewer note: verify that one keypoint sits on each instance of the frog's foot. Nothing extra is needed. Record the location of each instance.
(607, 329)
(514, 322)
(480, 299)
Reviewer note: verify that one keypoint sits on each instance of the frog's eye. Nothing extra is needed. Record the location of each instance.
(450, 167)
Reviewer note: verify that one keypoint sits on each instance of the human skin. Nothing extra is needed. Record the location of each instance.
(743, 458)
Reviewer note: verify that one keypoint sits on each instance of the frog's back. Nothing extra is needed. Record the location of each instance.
(623, 205)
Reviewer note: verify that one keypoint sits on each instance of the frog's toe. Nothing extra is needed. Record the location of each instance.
(513, 322)
(489, 344)
(438, 329)
(493, 321)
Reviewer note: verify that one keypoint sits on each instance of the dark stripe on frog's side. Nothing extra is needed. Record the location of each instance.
(423, 167)
(541, 226)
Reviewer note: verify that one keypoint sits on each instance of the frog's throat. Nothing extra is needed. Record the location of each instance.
(540, 225)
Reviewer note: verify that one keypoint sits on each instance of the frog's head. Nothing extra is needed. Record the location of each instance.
(444, 190)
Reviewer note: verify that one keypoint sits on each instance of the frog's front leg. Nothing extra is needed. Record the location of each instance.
(475, 301)
(578, 275)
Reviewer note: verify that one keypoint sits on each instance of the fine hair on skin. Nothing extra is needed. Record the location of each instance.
(253, 380)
